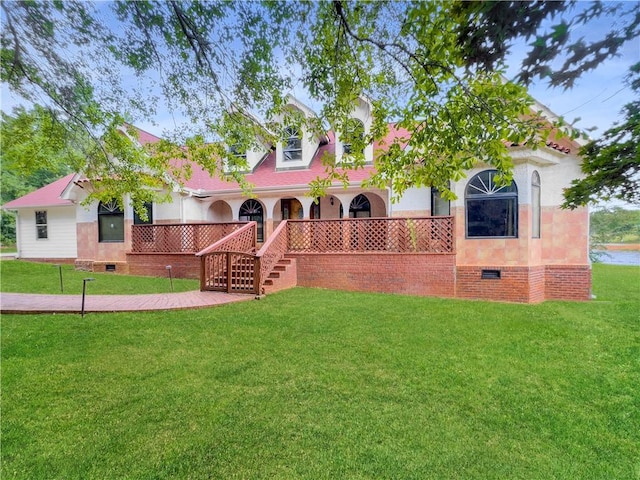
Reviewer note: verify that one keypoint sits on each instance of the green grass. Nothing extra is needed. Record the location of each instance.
(321, 384)
(18, 276)
(8, 249)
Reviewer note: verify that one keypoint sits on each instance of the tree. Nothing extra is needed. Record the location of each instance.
(33, 153)
(434, 68)
(612, 163)
(615, 225)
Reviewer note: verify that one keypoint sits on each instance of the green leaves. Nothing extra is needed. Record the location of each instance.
(612, 163)
(223, 71)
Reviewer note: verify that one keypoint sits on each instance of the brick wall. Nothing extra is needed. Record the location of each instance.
(525, 284)
(183, 265)
(410, 274)
(512, 286)
(567, 282)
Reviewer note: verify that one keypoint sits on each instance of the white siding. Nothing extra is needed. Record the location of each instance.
(61, 233)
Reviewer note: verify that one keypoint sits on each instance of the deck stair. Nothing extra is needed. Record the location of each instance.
(283, 276)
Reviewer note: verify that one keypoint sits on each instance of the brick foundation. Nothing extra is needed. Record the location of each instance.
(183, 265)
(525, 284)
(102, 266)
(568, 282)
(409, 274)
(514, 284)
(63, 261)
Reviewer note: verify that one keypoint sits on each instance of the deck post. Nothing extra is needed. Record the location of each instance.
(202, 274)
(229, 279)
(257, 281)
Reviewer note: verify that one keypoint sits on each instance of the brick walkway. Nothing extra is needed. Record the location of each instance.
(29, 303)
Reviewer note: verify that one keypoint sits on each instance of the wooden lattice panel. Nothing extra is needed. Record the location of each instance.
(242, 241)
(402, 235)
(229, 266)
(178, 238)
(242, 272)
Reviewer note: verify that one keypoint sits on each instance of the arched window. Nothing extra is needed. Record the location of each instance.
(360, 207)
(491, 210)
(354, 134)
(251, 211)
(110, 222)
(535, 205)
(293, 144)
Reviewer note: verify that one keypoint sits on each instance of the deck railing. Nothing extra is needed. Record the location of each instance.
(229, 265)
(272, 252)
(397, 235)
(179, 237)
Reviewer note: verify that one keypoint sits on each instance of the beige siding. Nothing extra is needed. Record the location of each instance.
(61, 232)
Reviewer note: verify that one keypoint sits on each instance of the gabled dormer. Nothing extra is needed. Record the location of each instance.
(254, 147)
(358, 126)
(250, 157)
(299, 142)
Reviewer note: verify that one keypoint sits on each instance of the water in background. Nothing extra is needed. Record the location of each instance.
(619, 257)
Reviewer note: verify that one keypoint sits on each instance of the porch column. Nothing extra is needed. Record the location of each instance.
(306, 203)
(235, 205)
(345, 200)
(269, 205)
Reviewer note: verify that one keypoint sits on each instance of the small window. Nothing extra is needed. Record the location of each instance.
(354, 134)
(293, 146)
(237, 151)
(148, 206)
(491, 209)
(41, 225)
(535, 205)
(110, 222)
(439, 205)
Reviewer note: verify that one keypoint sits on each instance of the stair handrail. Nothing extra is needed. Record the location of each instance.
(229, 243)
(273, 250)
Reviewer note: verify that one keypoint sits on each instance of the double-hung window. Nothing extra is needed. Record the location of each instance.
(41, 225)
(293, 147)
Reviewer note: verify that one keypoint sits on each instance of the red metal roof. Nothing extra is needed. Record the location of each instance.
(47, 196)
(265, 174)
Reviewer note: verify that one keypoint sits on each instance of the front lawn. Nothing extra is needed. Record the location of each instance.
(322, 384)
(19, 276)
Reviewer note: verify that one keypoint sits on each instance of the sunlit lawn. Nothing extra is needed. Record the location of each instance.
(27, 277)
(322, 384)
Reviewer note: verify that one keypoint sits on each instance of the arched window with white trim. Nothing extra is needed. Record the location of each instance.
(110, 222)
(251, 211)
(491, 209)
